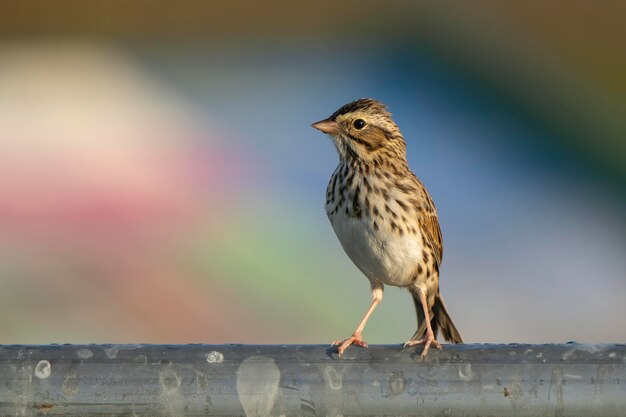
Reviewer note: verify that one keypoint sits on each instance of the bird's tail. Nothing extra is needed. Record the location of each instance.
(440, 319)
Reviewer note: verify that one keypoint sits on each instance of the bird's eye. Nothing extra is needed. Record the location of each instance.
(359, 124)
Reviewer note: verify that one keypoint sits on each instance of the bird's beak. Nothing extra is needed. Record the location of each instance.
(327, 126)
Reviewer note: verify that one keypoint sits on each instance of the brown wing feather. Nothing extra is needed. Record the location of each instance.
(430, 227)
(429, 223)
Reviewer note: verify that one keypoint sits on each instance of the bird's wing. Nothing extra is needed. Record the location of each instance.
(429, 224)
(427, 218)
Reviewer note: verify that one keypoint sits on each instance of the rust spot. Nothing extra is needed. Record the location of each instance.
(506, 392)
(44, 406)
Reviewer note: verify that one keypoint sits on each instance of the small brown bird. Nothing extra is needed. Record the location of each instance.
(384, 218)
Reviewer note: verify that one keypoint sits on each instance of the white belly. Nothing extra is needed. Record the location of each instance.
(381, 255)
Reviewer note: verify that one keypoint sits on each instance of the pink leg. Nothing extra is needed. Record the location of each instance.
(429, 338)
(356, 339)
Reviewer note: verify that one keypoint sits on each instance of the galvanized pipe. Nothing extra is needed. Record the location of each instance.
(254, 381)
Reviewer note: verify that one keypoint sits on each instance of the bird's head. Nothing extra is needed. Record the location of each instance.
(363, 130)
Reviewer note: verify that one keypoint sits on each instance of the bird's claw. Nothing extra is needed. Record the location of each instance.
(342, 345)
(427, 341)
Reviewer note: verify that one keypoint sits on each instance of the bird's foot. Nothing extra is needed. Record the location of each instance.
(427, 341)
(342, 345)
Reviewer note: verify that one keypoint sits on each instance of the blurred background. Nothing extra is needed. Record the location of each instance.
(160, 182)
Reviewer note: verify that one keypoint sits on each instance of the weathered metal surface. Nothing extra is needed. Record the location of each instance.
(244, 380)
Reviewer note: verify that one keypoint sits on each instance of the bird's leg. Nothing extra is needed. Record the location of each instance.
(429, 338)
(356, 339)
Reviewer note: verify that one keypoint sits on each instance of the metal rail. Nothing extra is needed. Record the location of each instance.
(255, 381)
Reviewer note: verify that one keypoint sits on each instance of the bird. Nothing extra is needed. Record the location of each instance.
(385, 219)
